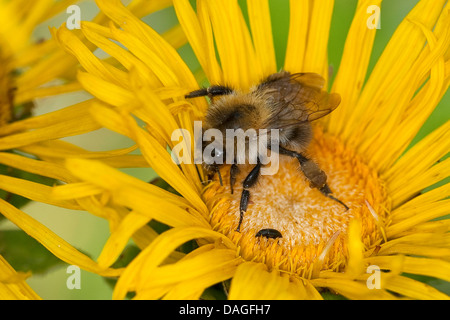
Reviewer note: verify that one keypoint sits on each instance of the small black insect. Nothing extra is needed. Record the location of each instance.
(269, 233)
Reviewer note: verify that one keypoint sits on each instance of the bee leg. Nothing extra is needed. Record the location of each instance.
(218, 173)
(249, 181)
(210, 92)
(213, 169)
(245, 197)
(326, 191)
(234, 170)
(316, 177)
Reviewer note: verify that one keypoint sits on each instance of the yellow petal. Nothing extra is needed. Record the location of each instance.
(100, 36)
(192, 266)
(58, 64)
(36, 14)
(418, 215)
(138, 195)
(71, 43)
(316, 55)
(56, 8)
(355, 290)
(13, 285)
(79, 110)
(105, 90)
(438, 226)
(146, 7)
(353, 67)
(193, 274)
(68, 127)
(52, 242)
(213, 71)
(434, 244)
(24, 95)
(160, 160)
(120, 237)
(191, 26)
(9, 13)
(199, 34)
(299, 19)
(237, 55)
(58, 149)
(413, 289)
(407, 210)
(126, 161)
(42, 168)
(149, 57)
(304, 289)
(252, 281)
(153, 42)
(75, 190)
(141, 268)
(355, 264)
(34, 191)
(422, 266)
(405, 46)
(261, 27)
(436, 239)
(111, 119)
(156, 113)
(193, 288)
(175, 37)
(424, 179)
(407, 118)
(418, 250)
(419, 158)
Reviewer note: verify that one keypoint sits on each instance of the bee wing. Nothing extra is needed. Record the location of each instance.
(315, 102)
(299, 96)
(309, 79)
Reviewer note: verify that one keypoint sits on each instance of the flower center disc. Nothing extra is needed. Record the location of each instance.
(310, 223)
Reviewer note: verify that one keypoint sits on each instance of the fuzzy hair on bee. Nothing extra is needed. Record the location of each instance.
(283, 101)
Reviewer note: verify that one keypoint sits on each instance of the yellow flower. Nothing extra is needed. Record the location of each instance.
(20, 57)
(390, 227)
(28, 69)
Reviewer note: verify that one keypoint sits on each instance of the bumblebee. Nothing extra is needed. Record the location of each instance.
(284, 101)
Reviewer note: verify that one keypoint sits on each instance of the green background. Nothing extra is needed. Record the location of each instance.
(89, 233)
